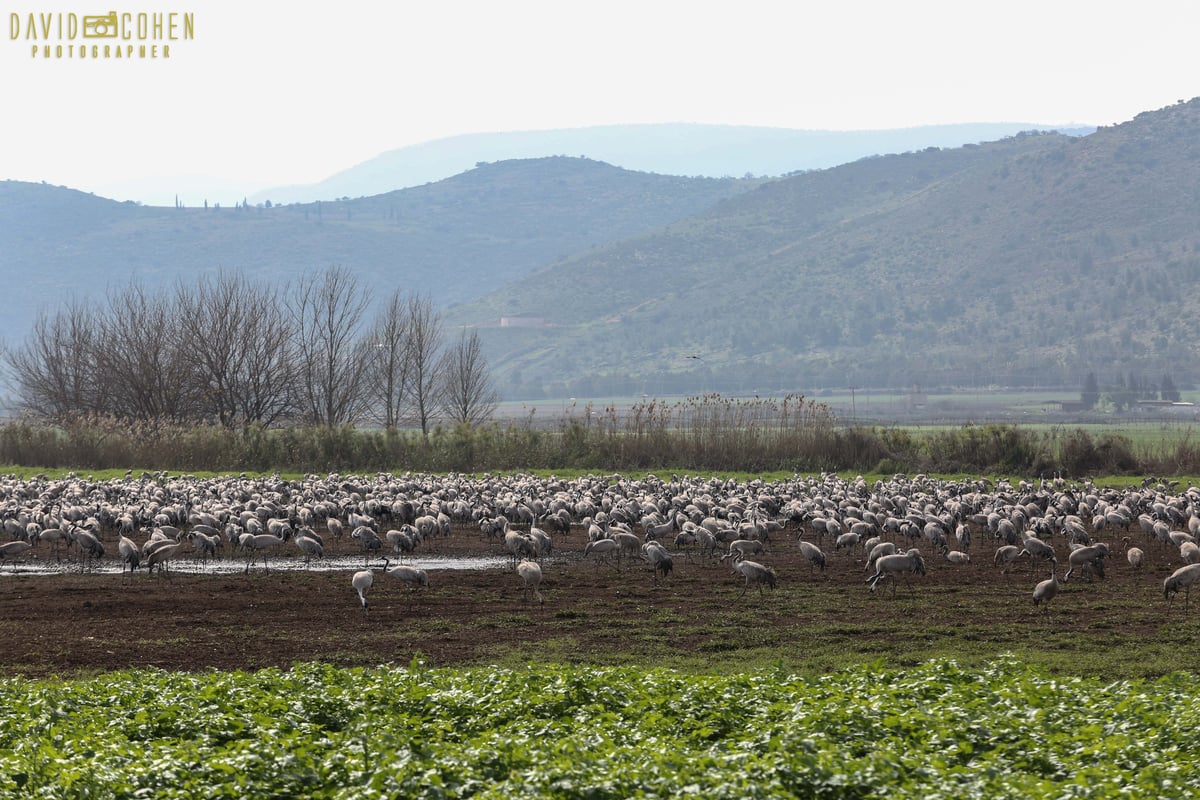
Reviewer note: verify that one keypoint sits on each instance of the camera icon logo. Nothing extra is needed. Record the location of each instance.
(100, 27)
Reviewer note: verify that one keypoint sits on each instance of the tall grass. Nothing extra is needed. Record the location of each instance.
(704, 432)
(707, 432)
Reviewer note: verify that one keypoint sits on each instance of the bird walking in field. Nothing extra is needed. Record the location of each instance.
(755, 573)
(813, 554)
(660, 560)
(89, 545)
(131, 556)
(1134, 555)
(1087, 560)
(362, 582)
(955, 556)
(263, 543)
(161, 555)
(1046, 591)
(411, 577)
(889, 567)
(14, 550)
(531, 574)
(603, 548)
(310, 544)
(1182, 578)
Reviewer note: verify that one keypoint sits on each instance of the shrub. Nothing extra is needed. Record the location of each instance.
(707, 432)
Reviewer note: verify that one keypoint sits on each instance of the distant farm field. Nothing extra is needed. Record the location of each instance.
(1150, 434)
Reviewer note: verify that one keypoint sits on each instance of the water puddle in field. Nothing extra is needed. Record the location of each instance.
(226, 566)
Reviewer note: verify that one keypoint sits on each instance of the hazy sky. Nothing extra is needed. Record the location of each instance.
(272, 92)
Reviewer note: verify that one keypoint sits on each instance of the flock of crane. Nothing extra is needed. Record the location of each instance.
(895, 525)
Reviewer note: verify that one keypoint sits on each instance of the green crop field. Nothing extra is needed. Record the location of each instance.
(1154, 433)
(940, 730)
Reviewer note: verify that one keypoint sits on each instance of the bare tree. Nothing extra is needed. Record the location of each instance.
(211, 319)
(424, 343)
(390, 360)
(326, 311)
(468, 395)
(54, 373)
(240, 348)
(265, 390)
(227, 350)
(138, 353)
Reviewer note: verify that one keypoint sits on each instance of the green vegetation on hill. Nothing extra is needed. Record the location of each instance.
(1028, 261)
(453, 240)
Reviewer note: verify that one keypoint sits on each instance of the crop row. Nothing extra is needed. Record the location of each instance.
(1004, 730)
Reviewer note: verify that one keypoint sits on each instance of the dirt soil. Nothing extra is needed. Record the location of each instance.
(76, 623)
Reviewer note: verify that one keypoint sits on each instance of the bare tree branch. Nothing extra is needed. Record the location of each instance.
(137, 351)
(331, 358)
(391, 361)
(424, 343)
(241, 350)
(54, 372)
(467, 394)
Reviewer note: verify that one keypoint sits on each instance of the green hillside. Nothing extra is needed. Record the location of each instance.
(1028, 261)
(455, 239)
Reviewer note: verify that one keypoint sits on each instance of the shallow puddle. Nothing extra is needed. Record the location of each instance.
(225, 566)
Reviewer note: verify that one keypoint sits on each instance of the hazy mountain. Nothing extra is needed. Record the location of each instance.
(455, 239)
(188, 190)
(671, 149)
(1032, 260)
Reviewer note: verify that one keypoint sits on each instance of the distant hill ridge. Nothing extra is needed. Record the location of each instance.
(669, 149)
(1030, 260)
(455, 239)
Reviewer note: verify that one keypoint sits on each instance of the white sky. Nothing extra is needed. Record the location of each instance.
(273, 92)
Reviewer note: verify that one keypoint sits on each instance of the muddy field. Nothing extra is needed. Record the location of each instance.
(209, 616)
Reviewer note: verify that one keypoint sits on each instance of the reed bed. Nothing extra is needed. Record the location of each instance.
(706, 432)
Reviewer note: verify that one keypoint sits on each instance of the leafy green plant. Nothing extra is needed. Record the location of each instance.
(940, 729)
